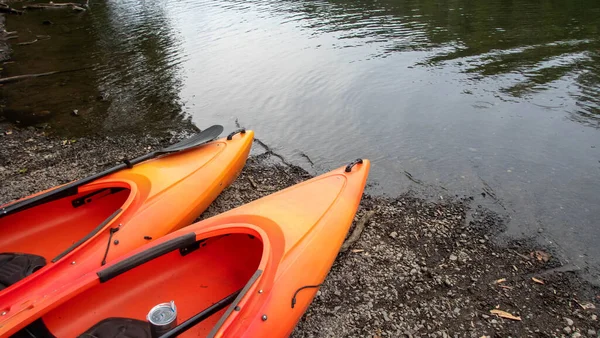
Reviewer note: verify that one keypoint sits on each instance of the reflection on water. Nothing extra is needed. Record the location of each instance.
(499, 97)
(125, 76)
(524, 46)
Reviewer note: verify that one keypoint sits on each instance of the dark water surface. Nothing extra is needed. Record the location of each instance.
(498, 98)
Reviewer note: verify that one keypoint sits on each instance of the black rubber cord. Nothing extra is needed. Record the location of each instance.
(112, 231)
(302, 288)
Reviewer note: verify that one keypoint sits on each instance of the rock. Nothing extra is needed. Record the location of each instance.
(594, 317)
(394, 234)
(576, 335)
(485, 316)
(569, 321)
(567, 329)
(453, 257)
(591, 333)
(75, 112)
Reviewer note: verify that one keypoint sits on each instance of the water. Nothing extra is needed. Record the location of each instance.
(495, 98)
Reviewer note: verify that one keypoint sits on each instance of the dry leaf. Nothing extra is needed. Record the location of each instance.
(357, 250)
(539, 281)
(586, 306)
(541, 256)
(504, 314)
(8, 132)
(501, 280)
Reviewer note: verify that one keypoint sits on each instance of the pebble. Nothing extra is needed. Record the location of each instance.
(576, 335)
(567, 329)
(394, 234)
(594, 317)
(591, 332)
(569, 321)
(453, 257)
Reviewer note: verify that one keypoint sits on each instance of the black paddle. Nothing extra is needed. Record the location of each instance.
(201, 138)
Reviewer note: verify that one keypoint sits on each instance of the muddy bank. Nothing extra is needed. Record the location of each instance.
(419, 268)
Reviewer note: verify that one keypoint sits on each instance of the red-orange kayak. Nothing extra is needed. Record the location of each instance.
(249, 272)
(48, 245)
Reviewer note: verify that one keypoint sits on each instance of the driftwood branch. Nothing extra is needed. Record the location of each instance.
(4, 8)
(29, 76)
(52, 5)
(360, 226)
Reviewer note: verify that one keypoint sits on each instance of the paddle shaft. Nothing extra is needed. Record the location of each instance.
(211, 310)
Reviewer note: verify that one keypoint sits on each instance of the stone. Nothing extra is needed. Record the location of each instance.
(567, 329)
(569, 321)
(394, 234)
(453, 257)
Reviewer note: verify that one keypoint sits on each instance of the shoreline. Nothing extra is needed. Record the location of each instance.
(419, 268)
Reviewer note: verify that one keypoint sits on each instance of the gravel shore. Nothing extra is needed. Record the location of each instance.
(419, 268)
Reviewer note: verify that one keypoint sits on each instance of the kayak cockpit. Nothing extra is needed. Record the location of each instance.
(196, 275)
(33, 238)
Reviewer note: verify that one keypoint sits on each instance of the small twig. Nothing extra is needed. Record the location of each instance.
(252, 182)
(257, 188)
(360, 226)
(27, 42)
(520, 255)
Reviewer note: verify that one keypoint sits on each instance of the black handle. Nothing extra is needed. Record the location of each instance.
(146, 256)
(241, 131)
(352, 164)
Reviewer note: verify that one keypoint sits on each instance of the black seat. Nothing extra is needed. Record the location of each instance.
(16, 266)
(118, 328)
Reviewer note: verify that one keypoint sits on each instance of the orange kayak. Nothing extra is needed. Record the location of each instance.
(47, 245)
(249, 272)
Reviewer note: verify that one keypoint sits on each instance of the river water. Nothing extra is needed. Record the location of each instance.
(496, 99)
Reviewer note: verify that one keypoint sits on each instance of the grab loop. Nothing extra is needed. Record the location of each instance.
(352, 164)
(241, 131)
